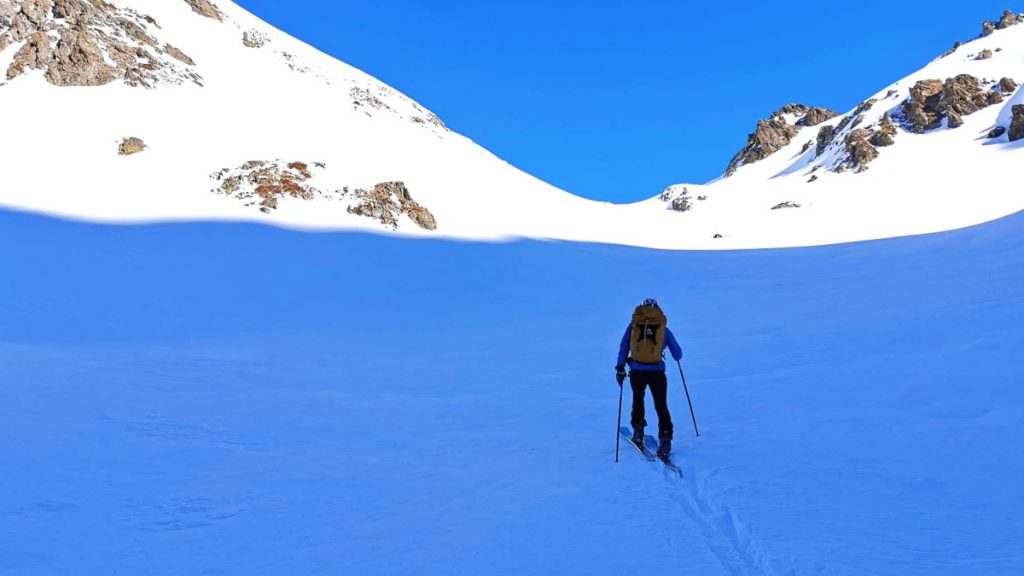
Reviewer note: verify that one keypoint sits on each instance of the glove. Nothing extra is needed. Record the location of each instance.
(620, 374)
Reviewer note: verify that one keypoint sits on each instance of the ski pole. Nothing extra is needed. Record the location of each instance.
(618, 425)
(687, 390)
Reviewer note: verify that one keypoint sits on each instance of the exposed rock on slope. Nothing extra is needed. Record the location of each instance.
(931, 100)
(206, 8)
(131, 146)
(265, 184)
(1017, 124)
(89, 43)
(678, 198)
(776, 132)
(816, 116)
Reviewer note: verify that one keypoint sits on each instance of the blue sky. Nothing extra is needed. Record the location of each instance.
(615, 100)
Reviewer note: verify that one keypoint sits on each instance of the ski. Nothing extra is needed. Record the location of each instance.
(628, 435)
(651, 444)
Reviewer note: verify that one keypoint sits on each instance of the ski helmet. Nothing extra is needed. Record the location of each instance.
(650, 302)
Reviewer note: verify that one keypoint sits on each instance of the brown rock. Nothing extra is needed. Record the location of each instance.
(131, 146)
(816, 115)
(178, 55)
(1008, 19)
(770, 136)
(860, 150)
(206, 8)
(1017, 124)
(983, 55)
(78, 61)
(962, 95)
(789, 204)
(74, 11)
(1007, 85)
(34, 55)
(922, 110)
(997, 132)
(987, 28)
(36, 10)
(254, 39)
(881, 139)
(825, 136)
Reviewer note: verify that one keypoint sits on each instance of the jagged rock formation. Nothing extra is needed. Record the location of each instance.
(825, 136)
(885, 136)
(254, 39)
(1017, 124)
(1007, 85)
(787, 204)
(997, 132)
(815, 116)
(89, 43)
(931, 100)
(678, 200)
(265, 184)
(859, 149)
(131, 146)
(206, 8)
(1009, 19)
(984, 55)
(389, 200)
(776, 132)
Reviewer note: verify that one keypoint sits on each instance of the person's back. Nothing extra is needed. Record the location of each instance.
(642, 349)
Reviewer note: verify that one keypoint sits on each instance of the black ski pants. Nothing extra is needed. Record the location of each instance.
(640, 380)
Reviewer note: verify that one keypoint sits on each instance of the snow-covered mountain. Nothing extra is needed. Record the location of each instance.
(186, 109)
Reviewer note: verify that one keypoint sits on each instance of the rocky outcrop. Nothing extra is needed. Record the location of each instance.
(770, 136)
(984, 55)
(931, 100)
(923, 111)
(1017, 124)
(206, 8)
(787, 204)
(254, 39)
(997, 132)
(678, 199)
(885, 136)
(815, 116)
(1009, 19)
(389, 200)
(987, 28)
(859, 149)
(265, 185)
(1007, 85)
(826, 134)
(89, 43)
(131, 146)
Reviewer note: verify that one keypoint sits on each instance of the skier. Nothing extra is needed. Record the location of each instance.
(645, 339)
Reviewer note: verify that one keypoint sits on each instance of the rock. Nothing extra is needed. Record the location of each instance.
(956, 46)
(983, 55)
(178, 55)
(679, 200)
(1007, 85)
(35, 54)
(1017, 124)
(859, 149)
(892, 92)
(206, 8)
(791, 109)
(962, 95)
(787, 204)
(254, 39)
(881, 139)
(997, 132)
(717, 236)
(807, 146)
(78, 61)
(387, 201)
(813, 179)
(825, 136)
(987, 28)
(131, 146)
(954, 120)
(770, 136)
(816, 115)
(1008, 19)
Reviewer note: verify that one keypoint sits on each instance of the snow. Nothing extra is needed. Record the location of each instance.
(217, 398)
(288, 100)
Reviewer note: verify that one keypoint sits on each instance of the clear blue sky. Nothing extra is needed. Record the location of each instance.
(616, 100)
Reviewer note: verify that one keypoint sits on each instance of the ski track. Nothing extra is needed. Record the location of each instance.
(726, 535)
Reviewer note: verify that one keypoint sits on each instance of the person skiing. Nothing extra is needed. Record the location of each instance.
(642, 348)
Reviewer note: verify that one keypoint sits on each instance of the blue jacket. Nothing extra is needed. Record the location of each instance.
(670, 343)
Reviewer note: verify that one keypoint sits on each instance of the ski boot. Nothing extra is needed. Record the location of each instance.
(638, 436)
(664, 447)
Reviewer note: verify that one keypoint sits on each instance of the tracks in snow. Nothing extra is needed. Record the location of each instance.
(729, 539)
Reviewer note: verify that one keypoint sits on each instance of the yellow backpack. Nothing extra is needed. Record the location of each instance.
(648, 334)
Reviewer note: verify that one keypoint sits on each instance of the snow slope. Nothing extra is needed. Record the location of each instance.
(287, 101)
(213, 398)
